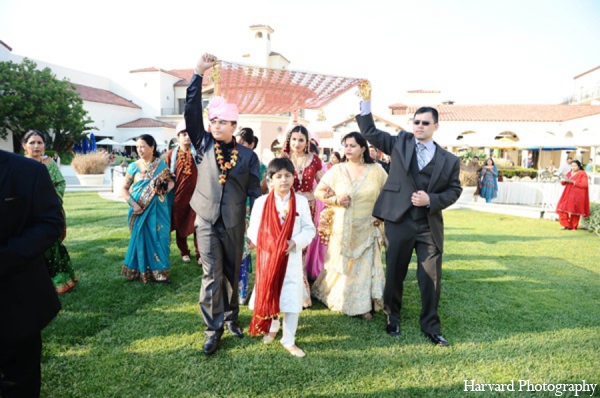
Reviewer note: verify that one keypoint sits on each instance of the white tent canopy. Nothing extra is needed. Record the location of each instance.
(130, 142)
(108, 141)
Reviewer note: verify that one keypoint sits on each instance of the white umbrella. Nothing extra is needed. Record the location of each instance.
(107, 141)
(130, 142)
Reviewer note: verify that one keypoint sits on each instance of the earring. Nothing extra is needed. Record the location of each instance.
(362, 158)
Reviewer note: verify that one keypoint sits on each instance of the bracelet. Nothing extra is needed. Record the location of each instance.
(130, 201)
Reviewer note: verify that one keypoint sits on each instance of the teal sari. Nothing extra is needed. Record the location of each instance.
(148, 253)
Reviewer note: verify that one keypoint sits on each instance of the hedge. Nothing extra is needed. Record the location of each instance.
(518, 172)
(593, 222)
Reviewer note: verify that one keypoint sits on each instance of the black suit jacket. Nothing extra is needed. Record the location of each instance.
(211, 199)
(395, 198)
(31, 220)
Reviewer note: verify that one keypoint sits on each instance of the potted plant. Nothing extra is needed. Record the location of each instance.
(90, 167)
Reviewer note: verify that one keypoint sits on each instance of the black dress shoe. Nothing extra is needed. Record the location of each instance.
(235, 329)
(392, 329)
(211, 344)
(438, 339)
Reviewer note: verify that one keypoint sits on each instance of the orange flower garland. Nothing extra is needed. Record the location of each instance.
(223, 165)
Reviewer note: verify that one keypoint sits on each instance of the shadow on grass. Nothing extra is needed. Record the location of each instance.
(102, 295)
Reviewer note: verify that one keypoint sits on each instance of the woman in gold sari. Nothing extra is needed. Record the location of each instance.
(352, 279)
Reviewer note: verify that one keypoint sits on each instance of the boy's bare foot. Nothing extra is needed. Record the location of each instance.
(295, 351)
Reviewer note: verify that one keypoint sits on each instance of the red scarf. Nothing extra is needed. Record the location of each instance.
(271, 263)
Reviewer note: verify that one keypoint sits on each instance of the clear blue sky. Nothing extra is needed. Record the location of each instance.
(475, 51)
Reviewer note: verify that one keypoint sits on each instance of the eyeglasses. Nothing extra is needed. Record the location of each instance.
(423, 122)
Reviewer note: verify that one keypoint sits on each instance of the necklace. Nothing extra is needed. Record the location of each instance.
(147, 165)
(299, 168)
(223, 165)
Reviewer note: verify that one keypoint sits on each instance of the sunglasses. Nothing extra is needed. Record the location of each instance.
(423, 122)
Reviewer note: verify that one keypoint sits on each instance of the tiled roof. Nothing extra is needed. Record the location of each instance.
(423, 91)
(92, 94)
(375, 118)
(273, 53)
(152, 69)
(145, 123)
(509, 113)
(262, 26)
(186, 77)
(6, 45)
(586, 72)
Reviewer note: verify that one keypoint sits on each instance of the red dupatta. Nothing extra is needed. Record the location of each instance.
(271, 263)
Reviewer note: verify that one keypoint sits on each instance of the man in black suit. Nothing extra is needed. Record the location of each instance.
(228, 173)
(423, 180)
(32, 220)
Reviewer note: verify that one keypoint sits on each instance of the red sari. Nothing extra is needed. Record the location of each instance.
(575, 199)
(304, 183)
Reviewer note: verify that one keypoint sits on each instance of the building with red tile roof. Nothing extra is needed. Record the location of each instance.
(561, 129)
(93, 94)
(145, 123)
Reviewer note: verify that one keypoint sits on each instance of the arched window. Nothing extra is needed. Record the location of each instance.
(258, 35)
(507, 135)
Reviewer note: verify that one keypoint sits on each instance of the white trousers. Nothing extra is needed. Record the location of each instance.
(290, 324)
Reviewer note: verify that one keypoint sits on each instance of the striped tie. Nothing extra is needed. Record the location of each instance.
(421, 160)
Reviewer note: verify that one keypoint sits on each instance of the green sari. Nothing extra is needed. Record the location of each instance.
(57, 257)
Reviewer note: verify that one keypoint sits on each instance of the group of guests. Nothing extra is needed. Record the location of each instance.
(212, 186)
(215, 179)
(573, 204)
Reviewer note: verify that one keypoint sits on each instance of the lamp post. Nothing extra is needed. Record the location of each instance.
(123, 167)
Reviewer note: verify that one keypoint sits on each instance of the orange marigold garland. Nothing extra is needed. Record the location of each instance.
(223, 165)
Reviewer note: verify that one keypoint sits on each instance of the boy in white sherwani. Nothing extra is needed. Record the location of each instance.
(280, 227)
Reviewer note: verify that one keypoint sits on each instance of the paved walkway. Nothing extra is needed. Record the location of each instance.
(468, 201)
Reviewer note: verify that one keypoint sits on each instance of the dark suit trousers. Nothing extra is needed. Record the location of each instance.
(404, 237)
(20, 371)
(221, 254)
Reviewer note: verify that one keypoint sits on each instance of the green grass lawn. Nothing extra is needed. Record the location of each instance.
(520, 301)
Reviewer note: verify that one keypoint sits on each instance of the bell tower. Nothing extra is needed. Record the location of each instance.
(261, 44)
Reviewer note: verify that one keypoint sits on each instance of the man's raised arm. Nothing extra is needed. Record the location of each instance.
(193, 103)
(379, 139)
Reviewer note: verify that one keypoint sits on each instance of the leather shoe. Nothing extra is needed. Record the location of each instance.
(392, 329)
(438, 339)
(211, 344)
(235, 329)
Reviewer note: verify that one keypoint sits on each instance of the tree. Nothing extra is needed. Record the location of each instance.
(36, 99)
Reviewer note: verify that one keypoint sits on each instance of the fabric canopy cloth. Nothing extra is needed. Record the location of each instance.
(264, 91)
